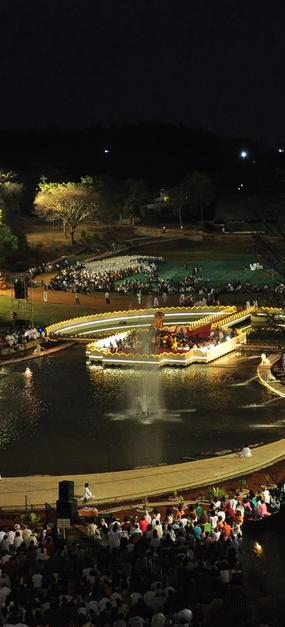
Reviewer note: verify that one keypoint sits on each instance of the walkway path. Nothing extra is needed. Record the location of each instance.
(133, 484)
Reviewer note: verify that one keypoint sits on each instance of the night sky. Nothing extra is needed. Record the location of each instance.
(214, 64)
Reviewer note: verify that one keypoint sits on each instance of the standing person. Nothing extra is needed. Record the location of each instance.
(164, 297)
(155, 302)
(87, 494)
(45, 293)
(77, 301)
(107, 297)
(181, 298)
(139, 297)
(283, 359)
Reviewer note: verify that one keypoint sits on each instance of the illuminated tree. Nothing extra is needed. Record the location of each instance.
(70, 203)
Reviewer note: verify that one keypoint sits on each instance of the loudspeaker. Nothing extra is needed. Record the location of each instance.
(66, 490)
(20, 289)
(66, 509)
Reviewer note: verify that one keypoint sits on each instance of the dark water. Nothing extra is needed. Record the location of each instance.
(71, 418)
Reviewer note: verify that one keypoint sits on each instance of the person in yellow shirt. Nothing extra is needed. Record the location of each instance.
(174, 344)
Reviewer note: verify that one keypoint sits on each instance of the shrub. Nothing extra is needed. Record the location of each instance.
(216, 492)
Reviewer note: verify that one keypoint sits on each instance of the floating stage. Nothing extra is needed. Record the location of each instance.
(110, 332)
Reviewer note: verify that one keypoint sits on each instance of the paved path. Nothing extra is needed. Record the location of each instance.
(132, 484)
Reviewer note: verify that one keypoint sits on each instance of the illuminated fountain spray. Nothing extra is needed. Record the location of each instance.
(146, 395)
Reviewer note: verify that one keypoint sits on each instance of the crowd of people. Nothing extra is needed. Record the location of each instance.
(104, 274)
(160, 568)
(18, 336)
(118, 274)
(179, 340)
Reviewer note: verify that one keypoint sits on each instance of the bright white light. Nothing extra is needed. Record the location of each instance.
(243, 154)
(28, 373)
(280, 149)
(106, 151)
(241, 184)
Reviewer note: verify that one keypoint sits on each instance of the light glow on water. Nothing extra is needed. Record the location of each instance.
(72, 418)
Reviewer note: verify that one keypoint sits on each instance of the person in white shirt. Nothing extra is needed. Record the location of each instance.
(266, 496)
(5, 544)
(233, 503)
(87, 494)
(17, 540)
(11, 536)
(221, 514)
(26, 534)
(246, 452)
(114, 537)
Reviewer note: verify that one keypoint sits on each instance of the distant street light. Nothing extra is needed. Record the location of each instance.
(244, 154)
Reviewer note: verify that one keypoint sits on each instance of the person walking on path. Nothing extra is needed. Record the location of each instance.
(107, 298)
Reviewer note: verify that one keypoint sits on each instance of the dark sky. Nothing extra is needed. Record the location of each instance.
(215, 64)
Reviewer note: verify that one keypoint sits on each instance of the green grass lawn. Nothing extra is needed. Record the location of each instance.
(46, 313)
(220, 261)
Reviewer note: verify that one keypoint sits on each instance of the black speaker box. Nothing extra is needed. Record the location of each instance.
(66, 490)
(66, 509)
(20, 289)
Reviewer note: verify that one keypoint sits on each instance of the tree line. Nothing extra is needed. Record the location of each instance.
(72, 203)
(102, 198)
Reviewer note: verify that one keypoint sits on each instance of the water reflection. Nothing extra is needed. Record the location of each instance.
(70, 417)
(19, 405)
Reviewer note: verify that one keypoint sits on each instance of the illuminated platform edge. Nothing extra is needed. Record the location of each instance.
(127, 485)
(106, 357)
(115, 320)
(78, 327)
(273, 386)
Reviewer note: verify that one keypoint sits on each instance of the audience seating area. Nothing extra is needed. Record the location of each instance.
(179, 566)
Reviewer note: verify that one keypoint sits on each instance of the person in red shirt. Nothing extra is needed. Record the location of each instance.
(230, 513)
(227, 531)
(180, 512)
(143, 523)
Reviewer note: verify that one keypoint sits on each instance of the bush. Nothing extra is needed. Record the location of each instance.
(216, 492)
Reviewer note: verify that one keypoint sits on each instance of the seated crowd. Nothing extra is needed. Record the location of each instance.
(117, 274)
(166, 340)
(163, 568)
(17, 337)
(102, 275)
